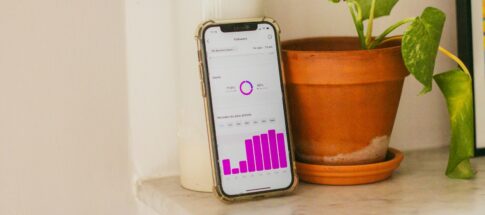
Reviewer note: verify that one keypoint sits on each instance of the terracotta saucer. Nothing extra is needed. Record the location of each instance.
(350, 175)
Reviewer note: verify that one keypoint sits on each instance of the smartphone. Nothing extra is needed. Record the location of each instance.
(243, 89)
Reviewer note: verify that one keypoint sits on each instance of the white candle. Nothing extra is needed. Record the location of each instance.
(195, 167)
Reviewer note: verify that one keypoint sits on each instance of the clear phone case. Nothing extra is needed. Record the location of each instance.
(203, 81)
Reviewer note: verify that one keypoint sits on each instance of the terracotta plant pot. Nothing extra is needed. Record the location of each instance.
(342, 100)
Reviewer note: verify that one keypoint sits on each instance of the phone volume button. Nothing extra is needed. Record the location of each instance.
(202, 88)
(201, 76)
(199, 55)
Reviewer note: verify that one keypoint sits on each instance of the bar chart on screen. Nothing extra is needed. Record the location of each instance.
(263, 152)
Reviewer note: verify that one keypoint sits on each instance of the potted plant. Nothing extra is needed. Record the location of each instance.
(344, 92)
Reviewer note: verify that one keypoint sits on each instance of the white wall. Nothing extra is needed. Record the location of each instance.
(152, 72)
(63, 108)
(422, 121)
(165, 102)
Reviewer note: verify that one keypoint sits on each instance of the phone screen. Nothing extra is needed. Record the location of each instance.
(248, 112)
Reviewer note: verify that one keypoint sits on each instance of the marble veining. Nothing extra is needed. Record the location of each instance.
(419, 186)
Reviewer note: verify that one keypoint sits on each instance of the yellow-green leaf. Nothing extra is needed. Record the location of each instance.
(457, 89)
(420, 45)
(382, 7)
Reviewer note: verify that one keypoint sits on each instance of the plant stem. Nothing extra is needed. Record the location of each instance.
(370, 23)
(359, 26)
(442, 50)
(395, 38)
(382, 36)
(454, 58)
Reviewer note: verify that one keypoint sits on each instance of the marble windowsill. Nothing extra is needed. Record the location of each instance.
(418, 187)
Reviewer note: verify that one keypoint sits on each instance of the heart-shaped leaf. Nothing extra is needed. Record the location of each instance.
(420, 45)
(457, 89)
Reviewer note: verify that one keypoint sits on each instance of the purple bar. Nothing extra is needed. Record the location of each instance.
(243, 168)
(235, 171)
(273, 149)
(250, 155)
(265, 146)
(257, 153)
(226, 166)
(282, 150)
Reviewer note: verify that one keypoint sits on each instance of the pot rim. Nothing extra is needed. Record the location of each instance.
(318, 67)
(393, 47)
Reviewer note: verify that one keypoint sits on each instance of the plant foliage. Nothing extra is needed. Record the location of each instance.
(420, 46)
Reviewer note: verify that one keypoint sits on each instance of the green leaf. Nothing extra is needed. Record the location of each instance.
(420, 45)
(456, 86)
(383, 7)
